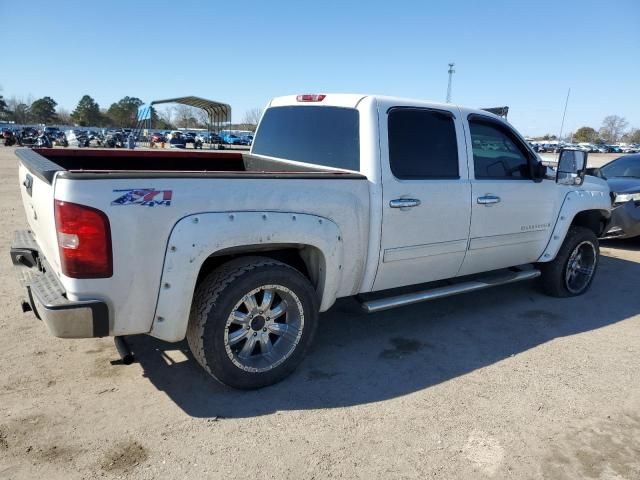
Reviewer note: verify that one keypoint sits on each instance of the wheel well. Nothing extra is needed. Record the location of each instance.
(306, 259)
(595, 220)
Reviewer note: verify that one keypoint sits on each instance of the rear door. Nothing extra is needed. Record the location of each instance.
(512, 214)
(426, 195)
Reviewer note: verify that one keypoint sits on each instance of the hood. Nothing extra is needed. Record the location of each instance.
(624, 184)
(595, 184)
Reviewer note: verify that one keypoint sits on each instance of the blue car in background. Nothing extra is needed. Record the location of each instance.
(230, 139)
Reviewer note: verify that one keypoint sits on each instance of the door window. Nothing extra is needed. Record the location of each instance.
(422, 144)
(496, 153)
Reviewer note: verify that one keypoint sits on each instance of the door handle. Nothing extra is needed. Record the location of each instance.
(404, 203)
(488, 200)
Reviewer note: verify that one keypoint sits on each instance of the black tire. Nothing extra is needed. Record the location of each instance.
(218, 295)
(554, 278)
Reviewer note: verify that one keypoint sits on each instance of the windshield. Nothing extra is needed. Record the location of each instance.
(623, 167)
(327, 136)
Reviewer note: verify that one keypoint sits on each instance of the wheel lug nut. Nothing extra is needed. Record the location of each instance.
(255, 333)
(264, 329)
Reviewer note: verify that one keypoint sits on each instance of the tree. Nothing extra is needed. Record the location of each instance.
(19, 109)
(64, 117)
(163, 118)
(43, 110)
(187, 117)
(21, 114)
(87, 113)
(4, 109)
(124, 113)
(252, 117)
(612, 128)
(585, 134)
(159, 121)
(632, 136)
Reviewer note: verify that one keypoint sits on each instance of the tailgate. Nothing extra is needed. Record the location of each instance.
(37, 190)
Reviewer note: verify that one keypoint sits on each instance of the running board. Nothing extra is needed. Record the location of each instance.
(378, 305)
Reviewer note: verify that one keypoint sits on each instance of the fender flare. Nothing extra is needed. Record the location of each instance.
(197, 237)
(574, 202)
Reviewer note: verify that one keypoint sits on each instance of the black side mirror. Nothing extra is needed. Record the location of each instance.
(594, 172)
(539, 172)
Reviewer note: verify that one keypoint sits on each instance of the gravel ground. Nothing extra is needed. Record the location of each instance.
(505, 383)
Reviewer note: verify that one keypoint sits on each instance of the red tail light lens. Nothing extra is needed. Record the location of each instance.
(310, 98)
(84, 240)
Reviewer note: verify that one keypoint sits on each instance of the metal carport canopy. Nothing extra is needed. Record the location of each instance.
(218, 112)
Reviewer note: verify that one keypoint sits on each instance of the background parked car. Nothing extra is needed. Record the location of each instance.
(27, 136)
(177, 140)
(51, 131)
(630, 149)
(189, 137)
(158, 137)
(231, 139)
(623, 177)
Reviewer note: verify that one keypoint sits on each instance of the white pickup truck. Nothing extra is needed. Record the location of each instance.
(341, 195)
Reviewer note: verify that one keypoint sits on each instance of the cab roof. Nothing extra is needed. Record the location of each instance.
(351, 100)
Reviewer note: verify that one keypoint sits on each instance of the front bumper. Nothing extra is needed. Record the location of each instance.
(624, 222)
(47, 298)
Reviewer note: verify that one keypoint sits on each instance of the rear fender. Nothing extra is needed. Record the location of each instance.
(197, 237)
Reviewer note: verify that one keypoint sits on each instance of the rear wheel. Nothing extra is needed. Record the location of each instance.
(252, 321)
(572, 271)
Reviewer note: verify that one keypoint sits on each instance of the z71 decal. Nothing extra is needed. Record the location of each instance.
(148, 197)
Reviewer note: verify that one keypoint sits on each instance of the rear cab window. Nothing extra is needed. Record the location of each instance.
(320, 135)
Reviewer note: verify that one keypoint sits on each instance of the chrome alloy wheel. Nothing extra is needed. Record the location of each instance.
(580, 267)
(264, 328)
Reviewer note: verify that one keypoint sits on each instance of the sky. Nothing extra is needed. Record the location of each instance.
(522, 54)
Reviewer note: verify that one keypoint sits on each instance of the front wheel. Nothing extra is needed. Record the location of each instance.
(252, 321)
(571, 272)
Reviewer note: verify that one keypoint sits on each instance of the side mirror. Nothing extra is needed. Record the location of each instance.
(571, 167)
(594, 172)
(539, 172)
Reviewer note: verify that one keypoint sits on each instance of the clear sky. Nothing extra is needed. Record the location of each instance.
(522, 54)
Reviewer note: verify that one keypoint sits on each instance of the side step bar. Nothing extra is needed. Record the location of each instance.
(378, 305)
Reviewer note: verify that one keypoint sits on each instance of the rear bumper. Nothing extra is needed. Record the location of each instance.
(624, 222)
(47, 298)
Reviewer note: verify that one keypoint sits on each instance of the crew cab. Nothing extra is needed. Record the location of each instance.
(341, 195)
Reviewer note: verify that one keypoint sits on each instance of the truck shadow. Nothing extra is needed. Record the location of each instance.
(359, 358)
(632, 244)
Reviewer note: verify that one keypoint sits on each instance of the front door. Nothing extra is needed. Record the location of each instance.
(511, 214)
(426, 195)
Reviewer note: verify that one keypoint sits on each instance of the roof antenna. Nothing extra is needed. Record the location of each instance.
(563, 115)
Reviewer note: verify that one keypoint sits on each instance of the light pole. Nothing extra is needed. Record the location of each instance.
(451, 72)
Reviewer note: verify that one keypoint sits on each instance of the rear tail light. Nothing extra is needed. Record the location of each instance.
(310, 98)
(84, 240)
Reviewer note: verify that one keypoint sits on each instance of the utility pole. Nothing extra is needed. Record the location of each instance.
(563, 115)
(451, 72)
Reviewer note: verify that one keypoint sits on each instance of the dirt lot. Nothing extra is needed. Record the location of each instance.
(505, 383)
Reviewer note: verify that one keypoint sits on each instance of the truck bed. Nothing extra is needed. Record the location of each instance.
(76, 162)
(198, 185)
